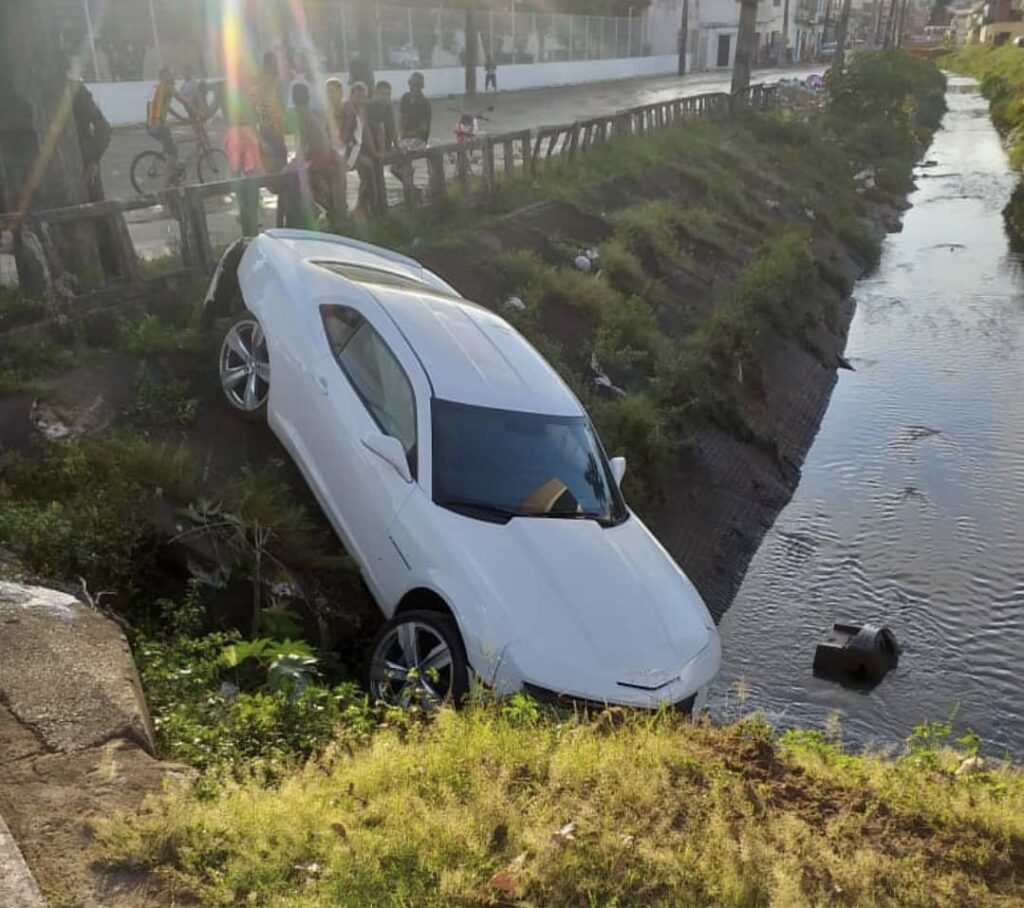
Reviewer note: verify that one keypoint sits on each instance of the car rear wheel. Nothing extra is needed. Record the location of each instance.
(244, 366)
(418, 659)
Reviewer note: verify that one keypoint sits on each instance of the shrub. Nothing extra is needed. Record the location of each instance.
(162, 401)
(638, 427)
(90, 518)
(629, 337)
(885, 101)
(214, 716)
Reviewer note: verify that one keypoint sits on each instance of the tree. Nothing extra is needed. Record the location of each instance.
(472, 44)
(844, 20)
(684, 34)
(744, 46)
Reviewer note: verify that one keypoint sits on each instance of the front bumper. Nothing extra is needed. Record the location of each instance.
(568, 685)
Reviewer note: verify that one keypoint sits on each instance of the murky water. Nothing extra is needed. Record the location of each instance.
(910, 510)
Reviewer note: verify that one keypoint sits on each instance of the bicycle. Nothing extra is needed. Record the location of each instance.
(149, 168)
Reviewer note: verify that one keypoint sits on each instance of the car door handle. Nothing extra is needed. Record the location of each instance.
(322, 383)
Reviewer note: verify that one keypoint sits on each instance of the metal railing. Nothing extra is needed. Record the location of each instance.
(475, 170)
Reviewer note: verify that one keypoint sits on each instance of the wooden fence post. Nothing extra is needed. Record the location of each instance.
(196, 208)
(528, 162)
(378, 189)
(462, 165)
(124, 248)
(488, 154)
(435, 173)
(247, 191)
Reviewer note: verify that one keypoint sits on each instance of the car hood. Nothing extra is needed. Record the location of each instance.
(579, 595)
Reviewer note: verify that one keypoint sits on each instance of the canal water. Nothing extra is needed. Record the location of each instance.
(910, 509)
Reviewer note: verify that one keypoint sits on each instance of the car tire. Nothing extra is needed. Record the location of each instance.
(243, 366)
(419, 636)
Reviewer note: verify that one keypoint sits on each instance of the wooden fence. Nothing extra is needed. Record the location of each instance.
(476, 168)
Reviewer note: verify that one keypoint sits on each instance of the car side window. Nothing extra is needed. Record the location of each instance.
(376, 375)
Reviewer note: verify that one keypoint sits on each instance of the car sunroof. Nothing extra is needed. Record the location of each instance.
(367, 274)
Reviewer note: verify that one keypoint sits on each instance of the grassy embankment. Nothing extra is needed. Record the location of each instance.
(1001, 73)
(718, 242)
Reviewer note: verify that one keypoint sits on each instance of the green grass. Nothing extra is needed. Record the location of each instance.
(504, 805)
(162, 401)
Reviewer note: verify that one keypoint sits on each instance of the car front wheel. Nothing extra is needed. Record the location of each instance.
(418, 659)
(244, 366)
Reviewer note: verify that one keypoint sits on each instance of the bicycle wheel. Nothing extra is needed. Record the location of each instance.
(149, 172)
(212, 166)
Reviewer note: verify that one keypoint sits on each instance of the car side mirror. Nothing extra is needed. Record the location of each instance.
(618, 465)
(389, 448)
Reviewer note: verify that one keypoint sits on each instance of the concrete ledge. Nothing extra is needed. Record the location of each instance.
(66, 672)
(18, 887)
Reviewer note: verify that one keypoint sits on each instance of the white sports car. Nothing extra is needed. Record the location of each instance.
(463, 476)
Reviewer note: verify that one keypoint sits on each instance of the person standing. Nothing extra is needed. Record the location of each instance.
(362, 151)
(491, 74)
(270, 119)
(334, 93)
(414, 113)
(315, 151)
(380, 120)
(241, 143)
(93, 137)
(414, 116)
(93, 140)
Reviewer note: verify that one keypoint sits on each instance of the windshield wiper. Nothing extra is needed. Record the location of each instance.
(481, 510)
(602, 519)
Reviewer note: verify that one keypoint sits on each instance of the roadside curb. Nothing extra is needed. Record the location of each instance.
(18, 888)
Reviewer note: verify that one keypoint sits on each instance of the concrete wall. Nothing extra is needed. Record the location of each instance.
(124, 103)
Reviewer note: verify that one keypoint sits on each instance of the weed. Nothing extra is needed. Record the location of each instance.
(649, 230)
(629, 338)
(91, 518)
(215, 716)
(860, 239)
(151, 334)
(622, 269)
(639, 428)
(27, 360)
(162, 401)
(17, 310)
(539, 283)
(499, 803)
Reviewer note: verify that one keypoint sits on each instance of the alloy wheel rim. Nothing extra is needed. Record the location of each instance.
(245, 366)
(412, 664)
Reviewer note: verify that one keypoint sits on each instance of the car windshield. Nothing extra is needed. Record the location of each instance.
(499, 464)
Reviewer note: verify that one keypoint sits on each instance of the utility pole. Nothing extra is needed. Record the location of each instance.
(785, 30)
(744, 46)
(684, 35)
(898, 39)
(890, 24)
(472, 40)
(844, 19)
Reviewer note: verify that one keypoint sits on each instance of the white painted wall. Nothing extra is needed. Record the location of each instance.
(124, 103)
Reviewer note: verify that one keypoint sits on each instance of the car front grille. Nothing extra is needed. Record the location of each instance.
(579, 704)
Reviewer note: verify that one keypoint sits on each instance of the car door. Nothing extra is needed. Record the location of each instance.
(364, 390)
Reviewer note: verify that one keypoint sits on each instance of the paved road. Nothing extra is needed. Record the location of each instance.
(155, 235)
(512, 111)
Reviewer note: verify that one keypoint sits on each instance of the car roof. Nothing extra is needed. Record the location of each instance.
(474, 356)
(470, 354)
(309, 245)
